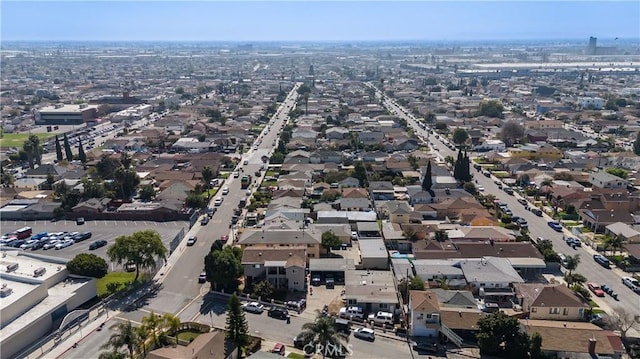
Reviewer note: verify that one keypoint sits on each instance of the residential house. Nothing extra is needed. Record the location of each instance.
(438, 271)
(336, 133)
(349, 182)
(90, 207)
(398, 211)
(354, 204)
(492, 278)
(425, 314)
(577, 340)
(288, 238)
(536, 152)
(373, 290)
(43, 171)
(297, 157)
(627, 232)
(210, 344)
(381, 190)
(602, 179)
(550, 302)
(281, 266)
(324, 156)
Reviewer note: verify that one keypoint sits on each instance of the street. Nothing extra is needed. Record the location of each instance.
(538, 227)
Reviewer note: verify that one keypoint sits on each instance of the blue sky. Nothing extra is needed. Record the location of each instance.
(316, 21)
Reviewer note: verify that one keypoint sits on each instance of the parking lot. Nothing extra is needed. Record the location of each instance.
(100, 229)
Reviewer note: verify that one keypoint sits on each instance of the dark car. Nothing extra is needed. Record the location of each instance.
(39, 244)
(97, 244)
(278, 313)
(430, 348)
(82, 236)
(555, 226)
(602, 260)
(79, 221)
(205, 221)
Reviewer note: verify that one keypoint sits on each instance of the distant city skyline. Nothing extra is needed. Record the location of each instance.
(316, 21)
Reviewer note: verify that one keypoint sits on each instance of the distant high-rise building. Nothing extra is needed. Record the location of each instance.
(592, 48)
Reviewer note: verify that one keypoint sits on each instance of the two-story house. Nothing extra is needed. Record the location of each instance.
(282, 267)
(285, 238)
(425, 314)
(550, 302)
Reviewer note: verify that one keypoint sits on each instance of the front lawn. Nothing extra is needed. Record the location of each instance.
(295, 356)
(188, 335)
(114, 282)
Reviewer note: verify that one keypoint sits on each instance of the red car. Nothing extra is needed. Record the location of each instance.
(595, 289)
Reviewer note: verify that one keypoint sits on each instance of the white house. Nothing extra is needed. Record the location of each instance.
(595, 103)
(425, 314)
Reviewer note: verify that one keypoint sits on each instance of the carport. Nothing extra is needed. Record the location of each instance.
(335, 267)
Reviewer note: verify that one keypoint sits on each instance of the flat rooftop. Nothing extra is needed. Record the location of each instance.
(67, 108)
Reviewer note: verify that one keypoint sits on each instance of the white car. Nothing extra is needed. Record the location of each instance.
(245, 162)
(248, 192)
(236, 174)
(225, 191)
(253, 307)
(481, 188)
(217, 202)
(52, 243)
(63, 244)
(632, 283)
(365, 333)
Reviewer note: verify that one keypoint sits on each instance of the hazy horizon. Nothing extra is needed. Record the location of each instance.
(325, 21)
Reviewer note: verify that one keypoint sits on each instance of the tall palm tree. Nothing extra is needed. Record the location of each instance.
(111, 355)
(143, 337)
(151, 323)
(172, 324)
(124, 336)
(322, 331)
(572, 263)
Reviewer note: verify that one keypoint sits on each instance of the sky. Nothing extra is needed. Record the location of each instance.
(316, 20)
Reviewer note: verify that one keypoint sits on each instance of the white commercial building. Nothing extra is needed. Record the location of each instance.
(62, 114)
(37, 292)
(595, 103)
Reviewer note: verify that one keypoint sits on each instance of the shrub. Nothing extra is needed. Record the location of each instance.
(89, 265)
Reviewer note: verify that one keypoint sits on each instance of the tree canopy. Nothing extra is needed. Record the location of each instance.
(510, 132)
(88, 264)
(460, 136)
(499, 335)
(223, 267)
(141, 249)
(236, 327)
(329, 240)
(491, 108)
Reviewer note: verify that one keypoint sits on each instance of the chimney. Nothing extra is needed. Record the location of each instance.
(592, 346)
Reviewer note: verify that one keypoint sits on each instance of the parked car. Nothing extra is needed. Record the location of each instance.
(253, 307)
(352, 312)
(364, 333)
(602, 260)
(522, 201)
(536, 211)
(97, 244)
(632, 283)
(82, 236)
(595, 289)
(225, 191)
(202, 277)
(192, 240)
(79, 221)
(278, 313)
(426, 348)
(555, 226)
(204, 221)
(64, 243)
(385, 318)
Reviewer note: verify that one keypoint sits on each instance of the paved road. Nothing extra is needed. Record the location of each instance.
(539, 228)
(180, 284)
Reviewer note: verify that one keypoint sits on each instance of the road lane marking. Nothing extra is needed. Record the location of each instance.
(187, 305)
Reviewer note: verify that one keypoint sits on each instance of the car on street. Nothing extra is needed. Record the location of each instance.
(426, 348)
(225, 191)
(204, 221)
(236, 174)
(217, 202)
(245, 162)
(555, 226)
(536, 211)
(522, 201)
(202, 277)
(632, 283)
(481, 188)
(253, 307)
(595, 289)
(97, 244)
(602, 260)
(574, 242)
(364, 333)
(192, 240)
(278, 313)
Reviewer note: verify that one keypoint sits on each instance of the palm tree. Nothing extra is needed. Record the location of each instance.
(615, 242)
(207, 176)
(443, 282)
(322, 331)
(124, 336)
(572, 263)
(151, 323)
(111, 355)
(172, 324)
(143, 337)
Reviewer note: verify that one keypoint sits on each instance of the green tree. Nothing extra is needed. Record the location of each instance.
(171, 323)
(152, 324)
(263, 289)
(81, 155)
(442, 127)
(58, 150)
(430, 117)
(618, 172)
(142, 249)
(491, 108)
(460, 136)
(499, 335)
(535, 349)
(67, 148)
(207, 176)
(427, 181)
(510, 132)
(89, 265)
(360, 172)
(124, 336)
(329, 195)
(470, 187)
(416, 283)
(237, 328)
(194, 200)
(223, 267)
(147, 192)
(616, 242)
(106, 167)
(571, 263)
(636, 145)
(329, 240)
(323, 331)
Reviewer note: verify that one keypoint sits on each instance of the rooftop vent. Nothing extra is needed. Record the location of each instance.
(12, 267)
(39, 272)
(5, 291)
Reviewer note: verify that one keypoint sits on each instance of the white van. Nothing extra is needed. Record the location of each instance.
(385, 318)
(351, 312)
